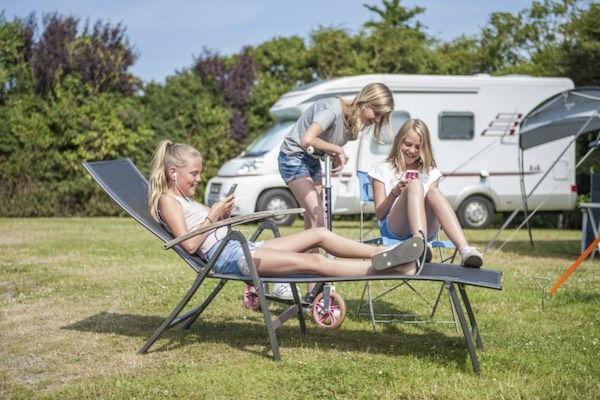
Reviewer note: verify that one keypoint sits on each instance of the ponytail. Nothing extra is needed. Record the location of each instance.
(166, 155)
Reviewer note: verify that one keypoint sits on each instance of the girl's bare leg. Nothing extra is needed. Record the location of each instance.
(445, 214)
(273, 262)
(408, 212)
(336, 245)
(310, 197)
(433, 225)
(339, 246)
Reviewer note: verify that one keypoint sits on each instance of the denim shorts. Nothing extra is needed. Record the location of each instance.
(387, 232)
(232, 260)
(299, 165)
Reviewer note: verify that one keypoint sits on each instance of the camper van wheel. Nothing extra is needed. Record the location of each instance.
(476, 212)
(329, 317)
(277, 200)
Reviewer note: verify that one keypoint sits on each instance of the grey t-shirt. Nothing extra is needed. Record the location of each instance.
(328, 113)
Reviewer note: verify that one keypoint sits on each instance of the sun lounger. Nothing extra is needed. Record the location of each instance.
(125, 184)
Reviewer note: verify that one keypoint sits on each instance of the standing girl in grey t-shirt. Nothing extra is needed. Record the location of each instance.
(325, 127)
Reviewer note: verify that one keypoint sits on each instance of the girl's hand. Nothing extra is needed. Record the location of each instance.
(397, 190)
(339, 161)
(223, 208)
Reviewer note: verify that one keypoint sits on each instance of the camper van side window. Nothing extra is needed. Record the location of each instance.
(456, 125)
(397, 119)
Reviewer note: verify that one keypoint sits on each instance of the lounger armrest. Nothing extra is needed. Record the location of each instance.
(240, 219)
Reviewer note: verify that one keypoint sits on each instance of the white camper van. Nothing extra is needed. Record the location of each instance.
(473, 121)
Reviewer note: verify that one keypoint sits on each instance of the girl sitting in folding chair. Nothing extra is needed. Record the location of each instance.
(176, 172)
(408, 200)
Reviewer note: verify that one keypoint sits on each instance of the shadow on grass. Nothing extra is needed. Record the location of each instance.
(247, 335)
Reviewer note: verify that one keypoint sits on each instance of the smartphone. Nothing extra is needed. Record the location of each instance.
(231, 190)
(411, 173)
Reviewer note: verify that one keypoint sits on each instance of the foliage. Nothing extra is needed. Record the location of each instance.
(185, 110)
(395, 43)
(285, 62)
(335, 53)
(15, 54)
(461, 56)
(67, 98)
(42, 174)
(582, 52)
(281, 64)
(100, 56)
(233, 82)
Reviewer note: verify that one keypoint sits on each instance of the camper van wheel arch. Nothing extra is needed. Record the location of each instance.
(476, 212)
(275, 200)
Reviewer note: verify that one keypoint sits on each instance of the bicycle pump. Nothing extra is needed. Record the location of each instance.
(327, 192)
(327, 288)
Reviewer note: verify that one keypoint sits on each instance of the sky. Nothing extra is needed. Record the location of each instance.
(169, 34)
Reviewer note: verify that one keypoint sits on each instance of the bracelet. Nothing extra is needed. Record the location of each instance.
(209, 219)
(395, 196)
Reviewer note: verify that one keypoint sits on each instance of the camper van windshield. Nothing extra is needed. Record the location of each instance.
(270, 139)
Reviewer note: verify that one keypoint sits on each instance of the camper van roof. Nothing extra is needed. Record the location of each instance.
(292, 104)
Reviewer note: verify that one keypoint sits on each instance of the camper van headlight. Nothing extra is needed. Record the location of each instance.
(250, 166)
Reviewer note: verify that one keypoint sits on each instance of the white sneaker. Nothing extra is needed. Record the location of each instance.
(471, 257)
(282, 291)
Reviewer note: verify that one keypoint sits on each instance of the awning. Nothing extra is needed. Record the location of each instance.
(574, 112)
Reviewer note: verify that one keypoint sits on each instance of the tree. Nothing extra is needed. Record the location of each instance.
(284, 61)
(281, 64)
(185, 110)
(462, 56)
(582, 51)
(66, 98)
(100, 56)
(234, 80)
(15, 54)
(42, 175)
(336, 53)
(396, 44)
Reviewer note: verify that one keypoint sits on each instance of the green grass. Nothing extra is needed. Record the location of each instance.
(78, 297)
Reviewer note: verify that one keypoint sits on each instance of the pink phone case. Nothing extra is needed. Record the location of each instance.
(411, 173)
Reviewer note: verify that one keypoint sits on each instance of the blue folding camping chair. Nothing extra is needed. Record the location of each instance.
(368, 299)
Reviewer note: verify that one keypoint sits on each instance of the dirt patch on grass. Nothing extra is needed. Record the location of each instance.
(42, 349)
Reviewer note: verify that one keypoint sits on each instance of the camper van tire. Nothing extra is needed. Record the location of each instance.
(276, 200)
(476, 212)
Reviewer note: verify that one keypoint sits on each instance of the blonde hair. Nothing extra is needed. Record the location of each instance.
(396, 158)
(167, 155)
(376, 96)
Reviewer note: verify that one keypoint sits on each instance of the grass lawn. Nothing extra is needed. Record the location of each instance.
(79, 297)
